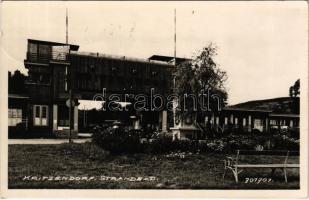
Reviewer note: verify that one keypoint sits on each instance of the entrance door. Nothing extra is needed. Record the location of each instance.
(63, 117)
(40, 115)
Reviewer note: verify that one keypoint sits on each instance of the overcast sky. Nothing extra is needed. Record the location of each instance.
(262, 45)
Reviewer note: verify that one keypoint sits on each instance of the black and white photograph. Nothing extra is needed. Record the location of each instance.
(156, 96)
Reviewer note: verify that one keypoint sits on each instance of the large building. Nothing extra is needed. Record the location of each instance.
(54, 69)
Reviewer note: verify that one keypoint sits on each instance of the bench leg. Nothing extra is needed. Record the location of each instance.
(235, 175)
(285, 175)
(224, 173)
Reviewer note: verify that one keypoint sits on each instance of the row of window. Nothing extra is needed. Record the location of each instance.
(98, 83)
(232, 120)
(115, 71)
(40, 118)
(257, 122)
(282, 122)
(117, 67)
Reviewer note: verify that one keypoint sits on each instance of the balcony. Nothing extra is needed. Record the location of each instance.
(47, 58)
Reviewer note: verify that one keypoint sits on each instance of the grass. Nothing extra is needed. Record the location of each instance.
(201, 171)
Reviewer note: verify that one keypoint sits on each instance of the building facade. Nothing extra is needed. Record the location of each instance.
(54, 69)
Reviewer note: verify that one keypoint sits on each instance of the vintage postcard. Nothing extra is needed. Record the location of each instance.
(154, 99)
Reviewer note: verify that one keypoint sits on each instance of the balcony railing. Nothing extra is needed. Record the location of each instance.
(46, 58)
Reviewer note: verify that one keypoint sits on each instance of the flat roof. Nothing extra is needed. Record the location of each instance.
(283, 115)
(247, 110)
(72, 46)
(167, 58)
(115, 57)
(271, 113)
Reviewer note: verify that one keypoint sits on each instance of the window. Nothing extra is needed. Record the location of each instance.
(33, 48)
(273, 122)
(15, 116)
(44, 52)
(44, 49)
(59, 52)
(258, 123)
(37, 111)
(40, 115)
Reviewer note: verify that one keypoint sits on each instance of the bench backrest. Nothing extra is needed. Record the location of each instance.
(266, 157)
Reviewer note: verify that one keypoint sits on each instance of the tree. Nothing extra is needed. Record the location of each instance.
(295, 89)
(17, 83)
(294, 94)
(200, 75)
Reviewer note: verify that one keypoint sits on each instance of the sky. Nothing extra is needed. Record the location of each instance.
(262, 46)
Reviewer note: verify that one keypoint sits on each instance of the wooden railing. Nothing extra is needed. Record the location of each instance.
(45, 58)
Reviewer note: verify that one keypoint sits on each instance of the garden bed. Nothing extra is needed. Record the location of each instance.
(135, 171)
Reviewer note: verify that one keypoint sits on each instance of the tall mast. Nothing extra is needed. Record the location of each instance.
(66, 27)
(175, 36)
(174, 77)
(66, 71)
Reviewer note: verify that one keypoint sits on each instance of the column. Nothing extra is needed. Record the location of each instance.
(55, 117)
(231, 119)
(266, 124)
(217, 120)
(75, 118)
(225, 120)
(206, 120)
(236, 120)
(136, 123)
(249, 123)
(164, 121)
(291, 123)
(159, 121)
(243, 122)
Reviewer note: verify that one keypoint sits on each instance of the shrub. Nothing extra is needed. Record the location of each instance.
(217, 145)
(293, 133)
(282, 142)
(117, 141)
(160, 144)
(186, 145)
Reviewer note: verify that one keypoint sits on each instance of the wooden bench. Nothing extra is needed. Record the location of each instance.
(237, 165)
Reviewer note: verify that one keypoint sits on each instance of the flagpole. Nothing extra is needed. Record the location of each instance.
(66, 27)
(174, 81)
(70, 90)
(175, 36)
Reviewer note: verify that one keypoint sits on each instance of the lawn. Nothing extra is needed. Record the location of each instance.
(99, 170)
